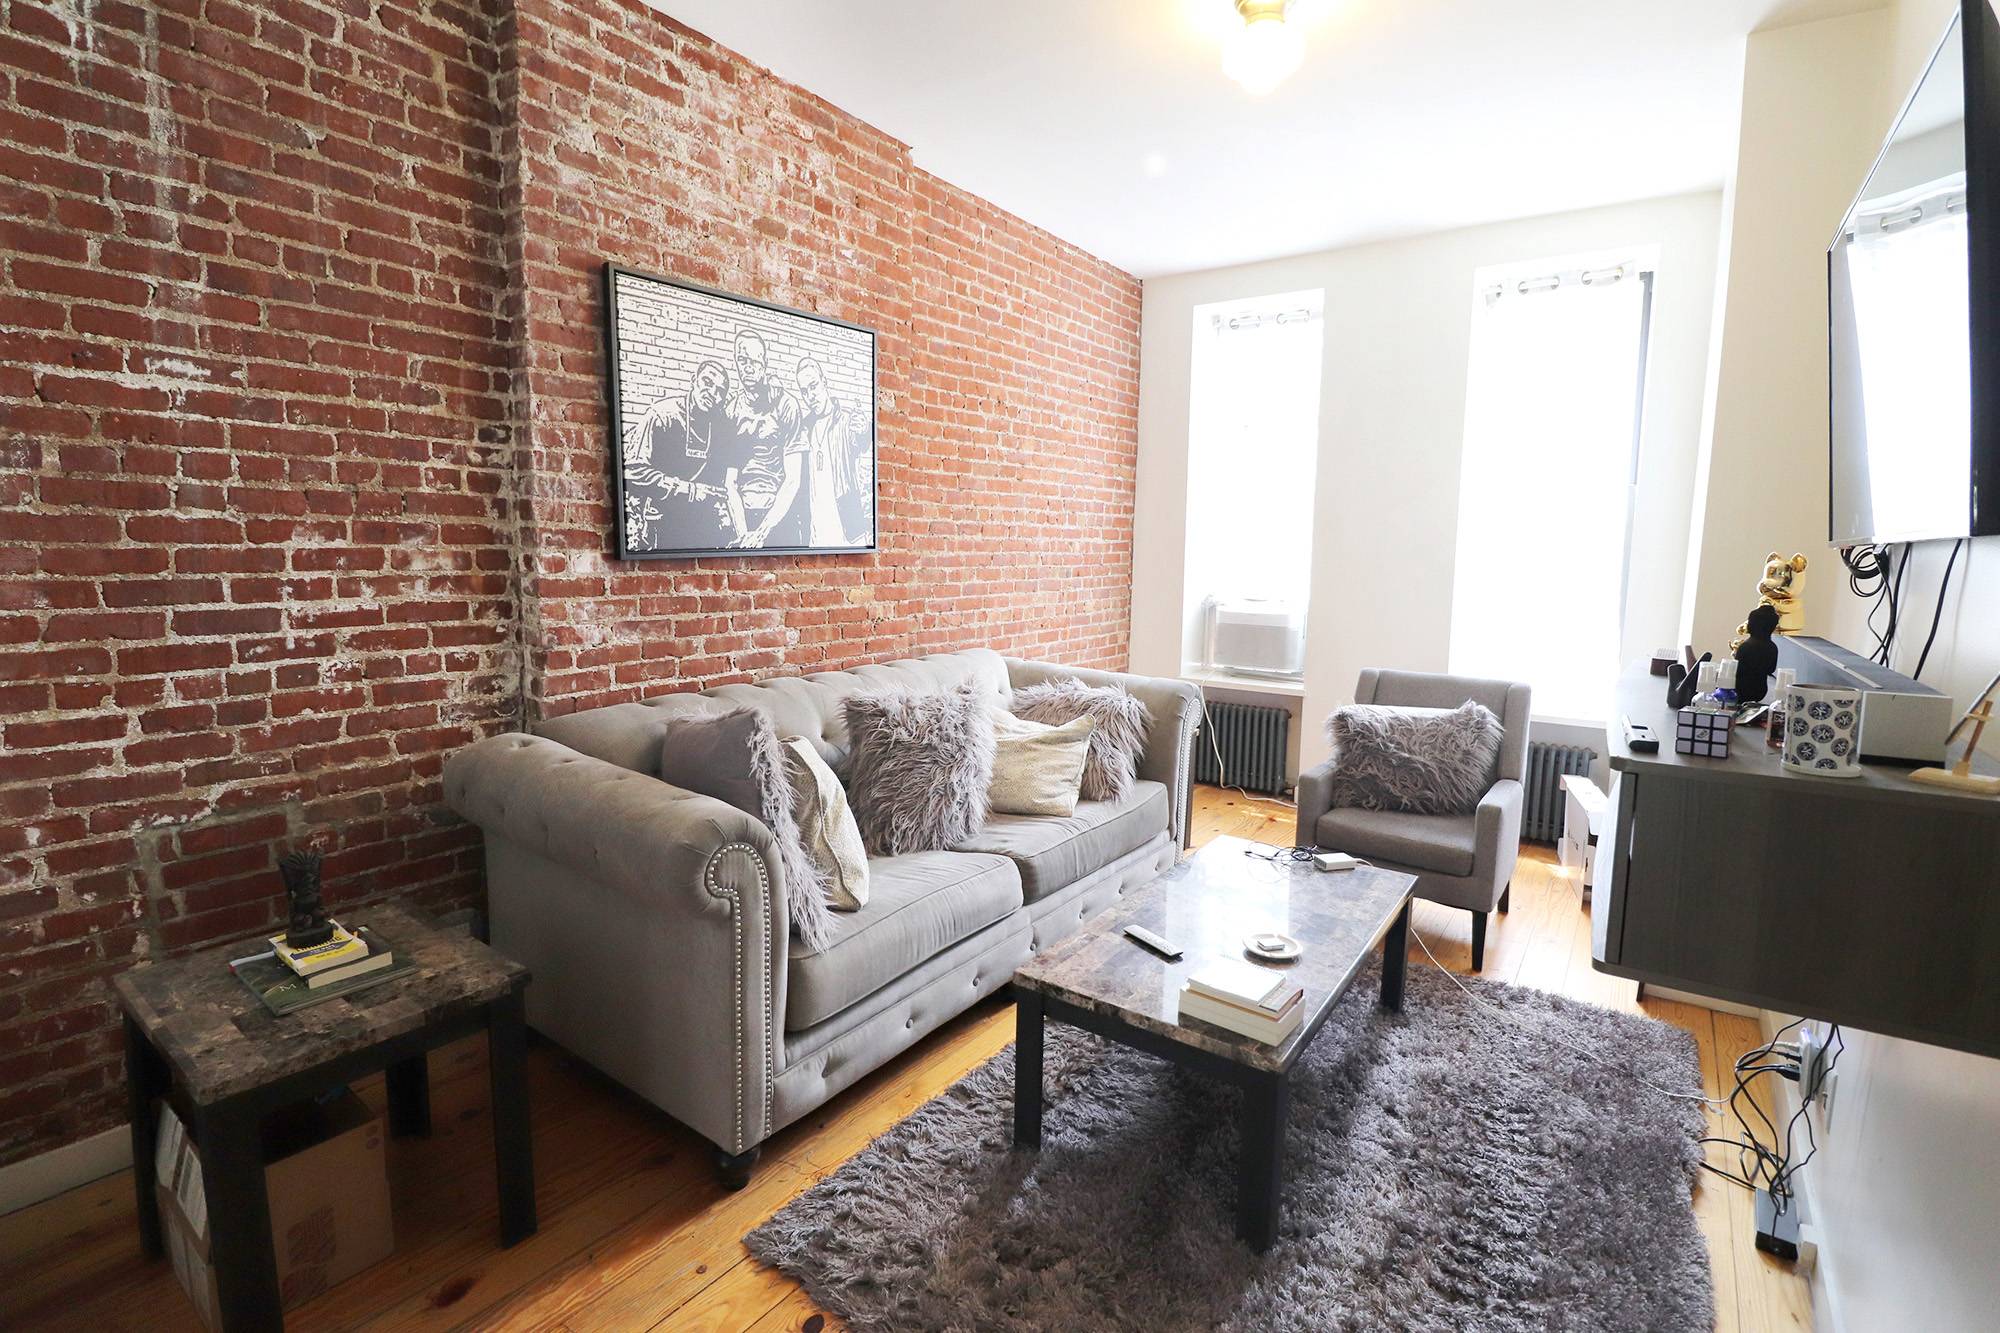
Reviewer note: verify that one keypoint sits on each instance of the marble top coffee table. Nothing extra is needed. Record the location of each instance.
(1102, 981)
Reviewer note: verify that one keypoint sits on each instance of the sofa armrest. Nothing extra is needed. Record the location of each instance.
(1496, 833)
(1315, 795)
(1175, 706)
(580, 850)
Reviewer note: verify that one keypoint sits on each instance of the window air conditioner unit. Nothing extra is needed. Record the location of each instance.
(1256, 638)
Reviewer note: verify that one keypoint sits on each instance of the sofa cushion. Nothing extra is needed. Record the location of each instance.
(1055, 851)
(918, 905)
(1037, 768)
(1119, 720)
(1424, 761)
(735, 757)
(1439, 843)
(920, 768)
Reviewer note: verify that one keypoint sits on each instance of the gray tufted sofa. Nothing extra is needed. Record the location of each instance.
(654, 918)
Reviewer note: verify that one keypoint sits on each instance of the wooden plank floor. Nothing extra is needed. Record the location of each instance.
(636, 1235)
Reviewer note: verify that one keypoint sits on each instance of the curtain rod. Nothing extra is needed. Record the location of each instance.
(1548, 282)
(1251, 321)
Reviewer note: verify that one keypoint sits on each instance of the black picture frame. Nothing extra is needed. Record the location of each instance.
(662, 335)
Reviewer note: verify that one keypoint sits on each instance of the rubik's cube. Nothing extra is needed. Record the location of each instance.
(1703, 733)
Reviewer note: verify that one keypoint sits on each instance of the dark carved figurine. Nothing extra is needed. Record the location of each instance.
(309, 925)
(1757, 656)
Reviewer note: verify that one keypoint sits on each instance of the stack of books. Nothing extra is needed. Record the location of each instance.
(1249, 1000)
(338, 959)
(286, 978)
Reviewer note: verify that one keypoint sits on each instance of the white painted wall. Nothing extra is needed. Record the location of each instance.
(1906, 1187)
(1812, 121)
(1392, 423)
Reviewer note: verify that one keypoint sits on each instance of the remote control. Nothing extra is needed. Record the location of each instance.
(1639, 738)
(1158, 945)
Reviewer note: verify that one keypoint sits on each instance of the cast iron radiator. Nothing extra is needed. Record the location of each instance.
(1542, 797)
(1252, 739)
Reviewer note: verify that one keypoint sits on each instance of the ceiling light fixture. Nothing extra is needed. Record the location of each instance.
(1265, 51)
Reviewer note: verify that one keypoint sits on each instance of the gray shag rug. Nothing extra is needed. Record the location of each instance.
(1446, 1169)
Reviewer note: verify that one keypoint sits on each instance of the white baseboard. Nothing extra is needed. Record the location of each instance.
(1701, 1001)
(33, 1179)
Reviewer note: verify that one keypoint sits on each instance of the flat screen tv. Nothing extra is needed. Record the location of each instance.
(1913, 309)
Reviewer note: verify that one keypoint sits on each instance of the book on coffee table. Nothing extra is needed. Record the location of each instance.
(1240, 982)
(1249, 1000)
(1267, 1028)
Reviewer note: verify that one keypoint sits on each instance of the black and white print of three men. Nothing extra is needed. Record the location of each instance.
(748, 466)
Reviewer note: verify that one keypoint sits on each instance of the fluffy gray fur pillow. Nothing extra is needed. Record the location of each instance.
(735, 757)
(1425, 761)
(1118, 729)
(919, 769)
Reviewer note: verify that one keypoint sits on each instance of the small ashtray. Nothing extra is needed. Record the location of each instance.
(1272, 947)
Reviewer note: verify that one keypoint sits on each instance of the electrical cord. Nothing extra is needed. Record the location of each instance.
(1872, 572)
(1221, 772)
(1937, 617)
(1592, 1056)
(1280, 854)
(1902, 568)
(1758, 1166)
(1772, 1167)
(1306, 854)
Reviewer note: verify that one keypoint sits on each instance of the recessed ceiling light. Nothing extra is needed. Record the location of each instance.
(1265, 51)
(1155, 164)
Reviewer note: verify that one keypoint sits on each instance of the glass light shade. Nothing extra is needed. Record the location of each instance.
(1264, 53)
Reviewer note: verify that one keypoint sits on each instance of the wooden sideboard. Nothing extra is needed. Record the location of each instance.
(1872, 902)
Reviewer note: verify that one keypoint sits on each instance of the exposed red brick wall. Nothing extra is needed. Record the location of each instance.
(300, 307)
(254, 530)
(1008, 366)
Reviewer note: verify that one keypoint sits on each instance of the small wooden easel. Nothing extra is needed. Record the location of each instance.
(1960, 777)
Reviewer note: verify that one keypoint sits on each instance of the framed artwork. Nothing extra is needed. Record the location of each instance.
(738, 426)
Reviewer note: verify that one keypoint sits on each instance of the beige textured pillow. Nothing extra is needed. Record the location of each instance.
(827, 830)
(1037, 768)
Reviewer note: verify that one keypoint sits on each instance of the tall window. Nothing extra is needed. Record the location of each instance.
(1252, 447)
(1553, 400)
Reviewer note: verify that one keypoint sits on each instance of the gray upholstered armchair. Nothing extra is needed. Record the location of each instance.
(1459, 860)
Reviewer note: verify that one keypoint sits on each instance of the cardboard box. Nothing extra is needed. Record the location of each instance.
(1584, 811)
(327, 1181)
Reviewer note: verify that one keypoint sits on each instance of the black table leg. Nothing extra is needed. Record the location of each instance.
(239, 1219)
(409, 1083)
(1027, 1069)
(1260, 1163)
(513, 1142)
(1396, 960)
(145, 1083)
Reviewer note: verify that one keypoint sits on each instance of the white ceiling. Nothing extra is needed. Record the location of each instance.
(1111, 124)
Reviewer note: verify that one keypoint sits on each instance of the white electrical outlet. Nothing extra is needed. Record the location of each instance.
(1815, 1080)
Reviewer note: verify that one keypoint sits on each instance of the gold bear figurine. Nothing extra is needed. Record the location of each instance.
(1781, 589)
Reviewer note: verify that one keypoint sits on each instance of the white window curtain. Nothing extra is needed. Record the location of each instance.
(1254, 440)
(1545, 486)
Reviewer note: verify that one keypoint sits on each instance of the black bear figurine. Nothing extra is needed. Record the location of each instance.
(1757, 657)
